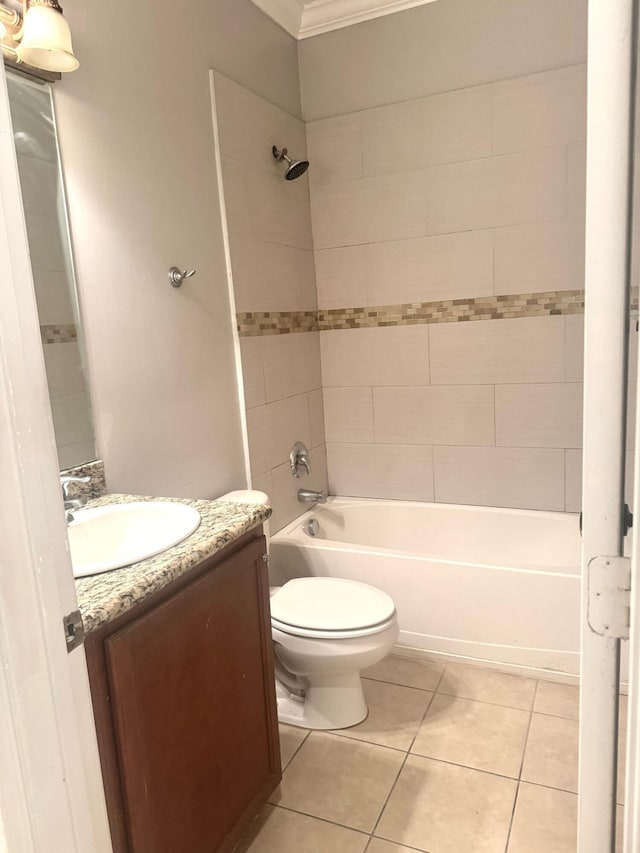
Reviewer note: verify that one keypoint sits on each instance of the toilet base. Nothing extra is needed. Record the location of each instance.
(329, 702)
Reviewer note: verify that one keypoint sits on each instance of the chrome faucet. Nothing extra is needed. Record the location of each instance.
(308, 496)
(72, 503)
(299, 459)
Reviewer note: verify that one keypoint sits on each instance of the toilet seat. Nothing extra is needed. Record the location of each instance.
(330, 608)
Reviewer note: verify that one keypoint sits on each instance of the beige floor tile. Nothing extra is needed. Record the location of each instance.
(379, 846)
(395, 714)
(478, 735)
(291, 739)
(551, 756)
(559, 700)
(485, 685)
(410, 672)
(544, 820)
(339, 779)
(280, 831)
(447, 809)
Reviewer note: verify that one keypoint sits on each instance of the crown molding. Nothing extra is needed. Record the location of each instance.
(286, 13)
(305, 18)
(322, 16)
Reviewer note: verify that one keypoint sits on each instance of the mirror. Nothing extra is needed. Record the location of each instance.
(42, 186)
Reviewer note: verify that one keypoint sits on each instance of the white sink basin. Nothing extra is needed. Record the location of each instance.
(109, 537)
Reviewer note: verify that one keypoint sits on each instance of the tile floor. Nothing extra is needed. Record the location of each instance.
(451, 759)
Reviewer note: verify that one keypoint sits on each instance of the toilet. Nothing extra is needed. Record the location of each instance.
(325, 632)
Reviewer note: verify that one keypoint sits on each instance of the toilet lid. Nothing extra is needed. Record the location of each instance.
(330, 604)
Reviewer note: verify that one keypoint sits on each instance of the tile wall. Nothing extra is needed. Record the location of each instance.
(271, 252)
(474, 195)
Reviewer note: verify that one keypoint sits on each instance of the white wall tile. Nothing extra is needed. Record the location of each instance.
(341, 276)
(540, 109)
(274, 428)
(573, 466)
(499, 476)
(249, 125)
(39, 185)
(388, 355)
(335, 151)
(538, 257)
(253, 371)
(574, 347)
(46, 246)
(263, 483)
(291, 364)
(389, 471)
(530, 349)
(427, 269)
(286, 505)
(63, 363)
(545, 415)
(72, 418)
(435, 415)
(412, 134)
(53, 295)
(348, 414)
(507, 190)
(270, 277)
(316, 416)
(368, 211)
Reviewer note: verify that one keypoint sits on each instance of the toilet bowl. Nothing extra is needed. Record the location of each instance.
(325, 631)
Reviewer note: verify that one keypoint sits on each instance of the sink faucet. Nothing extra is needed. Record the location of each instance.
(72, 503)
(308, 496)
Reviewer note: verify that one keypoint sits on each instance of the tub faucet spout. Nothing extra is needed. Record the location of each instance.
(308, 496)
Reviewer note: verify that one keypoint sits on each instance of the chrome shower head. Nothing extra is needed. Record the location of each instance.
(295, 168)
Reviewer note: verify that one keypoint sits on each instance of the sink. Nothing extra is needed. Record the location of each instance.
(109, 537)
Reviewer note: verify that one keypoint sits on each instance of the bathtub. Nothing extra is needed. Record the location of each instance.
(494, 585)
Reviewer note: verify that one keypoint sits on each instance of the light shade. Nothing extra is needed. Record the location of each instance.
(46, 40)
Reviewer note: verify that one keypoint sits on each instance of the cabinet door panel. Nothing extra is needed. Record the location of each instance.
(193, 709)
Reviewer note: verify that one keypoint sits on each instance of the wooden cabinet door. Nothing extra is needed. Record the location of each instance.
(194, 707)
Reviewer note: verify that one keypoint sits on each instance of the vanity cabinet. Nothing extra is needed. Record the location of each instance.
(184, 701)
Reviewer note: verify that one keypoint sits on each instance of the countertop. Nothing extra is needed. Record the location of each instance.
(103, 597)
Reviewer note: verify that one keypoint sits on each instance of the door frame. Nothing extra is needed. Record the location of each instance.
(50, 778)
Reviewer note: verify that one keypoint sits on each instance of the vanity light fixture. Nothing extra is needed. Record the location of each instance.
(39, 36)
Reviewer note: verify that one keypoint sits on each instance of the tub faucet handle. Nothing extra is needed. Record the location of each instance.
(299, 459)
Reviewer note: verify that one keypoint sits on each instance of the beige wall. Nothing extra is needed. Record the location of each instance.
(271, 249)
(440, 47)
(136, 137)
(470, 193)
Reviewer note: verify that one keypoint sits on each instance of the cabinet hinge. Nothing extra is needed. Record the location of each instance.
(73, 630)
(609, 600)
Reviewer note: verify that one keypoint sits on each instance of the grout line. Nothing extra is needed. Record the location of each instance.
(408, 753)
(315, 817)
(297, 749)
(524, 752)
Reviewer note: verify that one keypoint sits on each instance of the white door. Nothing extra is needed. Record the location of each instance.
(609, 179)
(50, 785)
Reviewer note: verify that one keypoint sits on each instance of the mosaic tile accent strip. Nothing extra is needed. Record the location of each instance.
(455, 310)
(59, 334)
(255, 323)
(543, 304)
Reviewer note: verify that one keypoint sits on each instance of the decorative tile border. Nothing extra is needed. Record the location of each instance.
(59, 334)
(455, 310)
(255, 323)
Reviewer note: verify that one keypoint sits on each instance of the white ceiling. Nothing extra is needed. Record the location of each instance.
(305, 18)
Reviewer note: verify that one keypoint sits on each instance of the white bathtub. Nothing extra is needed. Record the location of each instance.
(499, 585)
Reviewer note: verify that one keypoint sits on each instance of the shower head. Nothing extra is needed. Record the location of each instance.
(295, 168)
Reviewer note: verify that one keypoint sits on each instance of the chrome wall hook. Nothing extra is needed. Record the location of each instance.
(177, 276)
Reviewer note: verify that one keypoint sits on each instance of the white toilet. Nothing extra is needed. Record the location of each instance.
(325, 631)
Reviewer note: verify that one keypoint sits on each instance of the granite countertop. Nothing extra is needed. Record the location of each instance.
(103, 597)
